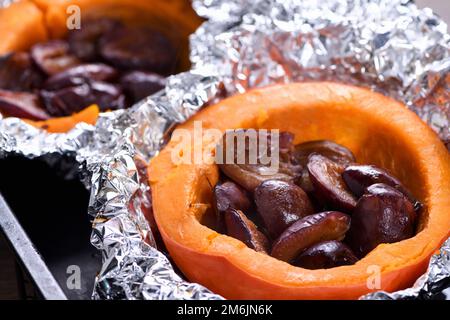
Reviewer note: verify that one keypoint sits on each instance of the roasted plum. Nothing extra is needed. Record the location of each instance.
(18, 73)
(73, 99)
(141, 84)
(304, 181)
(310, 230)
(81, 74)
(138, 48)
(83, 42)
(280, 204)
(328, 184)
(382, 215)
(326, 148)
(254, 161)
(53, 57)
(22, 105)
(359, 177)
(229, 195)
(311, 179)
(240, 227)
(68, 76)
(325, 255)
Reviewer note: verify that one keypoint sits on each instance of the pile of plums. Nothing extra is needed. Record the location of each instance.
(320, 210)
(105, 62)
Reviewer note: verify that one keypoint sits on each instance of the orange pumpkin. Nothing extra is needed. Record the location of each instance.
(61, 124)
(27, 22)
(375, 128)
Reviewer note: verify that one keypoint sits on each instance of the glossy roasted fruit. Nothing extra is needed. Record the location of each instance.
(328, 184)
(250, 157)
(81, 74)
(53, 57)
(141, 84)
(383, 215)
(326, 148)
(325, 255)
(304, 181)
(84, 42)
(69, 100)
(359, 177)
(17, 73)
(240, 227)
(132, 48)
(229, 195)
(280, 204)
(21, 105)
(330, 225)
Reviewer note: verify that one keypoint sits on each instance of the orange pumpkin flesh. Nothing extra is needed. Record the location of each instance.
(61, 124)
(21, 26)
(27, 22)
(375, 128)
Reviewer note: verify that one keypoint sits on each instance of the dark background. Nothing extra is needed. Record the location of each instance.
(8, 284)
(50, 203)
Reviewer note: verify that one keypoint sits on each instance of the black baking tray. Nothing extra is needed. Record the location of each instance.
(43, 215)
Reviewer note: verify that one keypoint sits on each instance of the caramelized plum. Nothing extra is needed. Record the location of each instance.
(280, 204)
(141, 84)
(359, 177)
(382, 215)
(304, 181)
(84, 42)
(132, 48)
(69, 100)
(325, 255)
(328, 184)
(326, 148)
(229, 195)
(330, 225)
(240, 227)
(17, 73)
(250, 174)
(53, 57)
(81, 74)
(22, 105)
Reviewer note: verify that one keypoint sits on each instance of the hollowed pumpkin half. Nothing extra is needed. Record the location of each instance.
(27, 22)
(377, 129)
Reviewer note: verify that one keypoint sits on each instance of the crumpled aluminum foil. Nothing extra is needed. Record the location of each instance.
(389, 46)
(108, 154)
(434, 284)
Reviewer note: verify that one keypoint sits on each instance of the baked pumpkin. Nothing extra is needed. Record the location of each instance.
(375, 128)
(28, 22)
(62, 124)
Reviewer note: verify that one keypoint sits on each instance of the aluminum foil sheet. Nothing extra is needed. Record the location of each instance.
(389, 46)
(109, 154)
(434, 284)
(5, 3)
